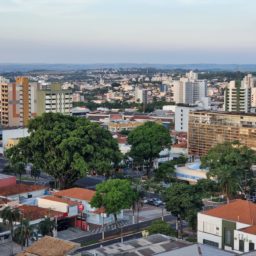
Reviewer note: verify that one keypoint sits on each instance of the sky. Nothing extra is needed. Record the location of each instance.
(128, 31)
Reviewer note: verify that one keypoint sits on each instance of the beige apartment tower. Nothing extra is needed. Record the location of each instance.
(15, 102)
(206, 129)
(54, 99)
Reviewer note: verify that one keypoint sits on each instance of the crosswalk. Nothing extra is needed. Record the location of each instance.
(98, 229)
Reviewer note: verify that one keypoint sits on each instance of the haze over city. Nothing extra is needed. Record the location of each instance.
(127, 31)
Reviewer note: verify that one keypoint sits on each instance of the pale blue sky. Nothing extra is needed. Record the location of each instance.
(141, 31)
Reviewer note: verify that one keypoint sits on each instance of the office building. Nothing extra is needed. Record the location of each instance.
(206, 129)
(54, 99)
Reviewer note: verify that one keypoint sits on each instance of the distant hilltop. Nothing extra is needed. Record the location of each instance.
(69, 67)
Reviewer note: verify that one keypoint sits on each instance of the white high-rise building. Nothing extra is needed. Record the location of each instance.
(240, 97)
(141, 95)
(189, 90)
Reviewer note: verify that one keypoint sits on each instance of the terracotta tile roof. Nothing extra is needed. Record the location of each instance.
(32, 212)
(238, 210)
(49, 246)
(19, 188)
(61, 200)
(77, 193)
(99, 210)
(249, 230)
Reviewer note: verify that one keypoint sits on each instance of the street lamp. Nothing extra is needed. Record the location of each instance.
(102, 216)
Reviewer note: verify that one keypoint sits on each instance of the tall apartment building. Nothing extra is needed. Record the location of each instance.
(237, 97)
(240, 97)
(206, 129)
(189, 90)
(16, 100)
(54, 99)
(141, 95)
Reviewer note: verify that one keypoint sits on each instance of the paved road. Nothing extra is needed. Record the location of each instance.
(2, 163)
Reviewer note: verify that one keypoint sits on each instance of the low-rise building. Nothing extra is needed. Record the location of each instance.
(230, 227)
(50, 246)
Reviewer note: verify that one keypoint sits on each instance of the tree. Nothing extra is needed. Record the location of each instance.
(67, 148)
(206, 187)
(182, 201)
(19, 169)
(230, 164)
(165, 172)
(10, 216)
(35, 172)
(161, 227)
(23, 233)
(47, 226)
(113, 195)
(147, 141)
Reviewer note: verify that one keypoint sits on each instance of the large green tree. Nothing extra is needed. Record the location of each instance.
(67, 148)
(182, 201)
(114, 195)
(230, 164)
(23, 233)
(147, 141)
(47, 226)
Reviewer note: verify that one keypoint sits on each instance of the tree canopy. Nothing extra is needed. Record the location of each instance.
(182, 201)
(114, 195)
(147, 141)
(230, 164)
(66, 148)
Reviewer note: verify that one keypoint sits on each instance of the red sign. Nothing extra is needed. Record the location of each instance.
(80, 207)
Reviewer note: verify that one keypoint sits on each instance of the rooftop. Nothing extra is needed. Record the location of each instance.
(32, 212)
(76, 193)
(49, 246)
(19, 189)
(60, 200)
(152, 245)
(232, 212)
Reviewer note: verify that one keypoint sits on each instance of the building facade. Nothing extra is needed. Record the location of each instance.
(17, 102)
(207, 129)
(54, 99)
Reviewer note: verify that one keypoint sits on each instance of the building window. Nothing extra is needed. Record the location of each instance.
(211, 243)
(251, 246)
(241, 245)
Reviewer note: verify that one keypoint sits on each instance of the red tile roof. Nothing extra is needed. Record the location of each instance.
(76, 193)
(238, 210)
(61, 200)
(249, 230)
(19, 189)
(32, 212)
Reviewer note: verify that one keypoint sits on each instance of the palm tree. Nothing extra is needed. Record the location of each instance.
(47, 226)
(35, 172)
(23, 233)
(10, 216)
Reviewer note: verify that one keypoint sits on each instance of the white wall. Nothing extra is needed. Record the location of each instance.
(53, 205)
(37, 193)
(209, 228)
(239, 235)
(12, 133)
(182, 118)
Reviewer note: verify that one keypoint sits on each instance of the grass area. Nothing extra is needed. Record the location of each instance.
(90, 242)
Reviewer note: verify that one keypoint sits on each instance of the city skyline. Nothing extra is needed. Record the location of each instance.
(134, 31)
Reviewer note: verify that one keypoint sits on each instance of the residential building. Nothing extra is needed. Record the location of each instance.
(54, 99)
(17, 102)
(181, 117)
(230, 227)
(189, 90)
(141, 95)
(92, 215)
(237, 97)
(207, 129)
(50, 246)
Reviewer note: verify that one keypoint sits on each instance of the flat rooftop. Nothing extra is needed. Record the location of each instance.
(152, 245)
